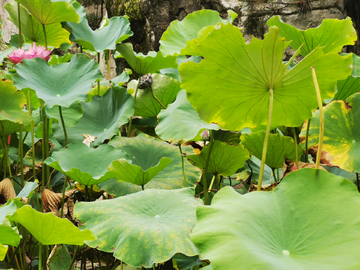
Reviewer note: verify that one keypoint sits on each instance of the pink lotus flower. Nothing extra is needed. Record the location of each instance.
(18, 55)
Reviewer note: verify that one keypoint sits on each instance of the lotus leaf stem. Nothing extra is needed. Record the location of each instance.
(182, 165)
(322, 118)
(6, 158)
(358, 181)
(274, 174)
(296, 149)
(44, 30)
(21, 150)
(266, 140)
(211, 183)
(19, 25)
(158, 100)
(73, 258)
(307, 141)
(130, 119)
(65, 178)
(40, 257)
(204, 175)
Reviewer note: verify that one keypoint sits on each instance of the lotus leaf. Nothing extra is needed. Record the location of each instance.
(143, 228)
(48, 229)
(102, 116)
(341, 136)
(299, 225)
(164, 88)
(279, 147)
(332, 35)
(238, 93)
(175, 38)
(136, 174)
(3, 251)
(141, 147)
(351, 85)
(180, 122)
(224, 159)
(8, 235)
(32, 29)
(143, 64)
(47, 12)
(61, 84)
(11, 103)
(101, 39)
(28, 189)
(91, 168)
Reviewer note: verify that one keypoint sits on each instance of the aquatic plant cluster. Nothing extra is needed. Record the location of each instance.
(218, 155)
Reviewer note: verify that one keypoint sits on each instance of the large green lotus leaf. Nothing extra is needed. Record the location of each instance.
(165, 89)
(143, 228)
(351, 85)
(101, 39)
(102, 116)
(299, 225)
(174, 39)
(279, 147)
(49, 229)
(341, 136)
(8, 234)
(91, 168)
(135, 174)
(225, 159)
(143, 64)
(47, 12)
(171, 177)
(332, 34)
(32, 29)
(11, 103)
(3, 251)
(61, 84)
(230, 86)
(180, 121)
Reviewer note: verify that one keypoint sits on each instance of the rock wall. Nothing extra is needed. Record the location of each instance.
(156, 15)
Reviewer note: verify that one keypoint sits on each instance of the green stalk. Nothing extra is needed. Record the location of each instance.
(307, 141)
(73, 258)
(33, 151)
(21, 149)
(296, 149)
(204, 175)
(4, 160)
(322, 118)
(45, 144)
(32, 137)
(98, 83)
(212, 182)
(40, 256)
(19, 25)
(158, 100)
(130, 120)
(6, 157)
(108, 63)
(45, 36)
(65, 178)
(266, 140)
(273, 172)
(182, 165)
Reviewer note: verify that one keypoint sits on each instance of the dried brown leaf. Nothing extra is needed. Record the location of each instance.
(7, 191)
